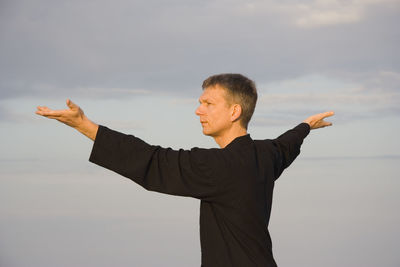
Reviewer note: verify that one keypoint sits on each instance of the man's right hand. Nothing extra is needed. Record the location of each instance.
(74, 117)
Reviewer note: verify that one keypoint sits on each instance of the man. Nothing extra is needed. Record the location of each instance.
(234, 183)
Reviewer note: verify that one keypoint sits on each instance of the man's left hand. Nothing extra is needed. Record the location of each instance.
(317, 121)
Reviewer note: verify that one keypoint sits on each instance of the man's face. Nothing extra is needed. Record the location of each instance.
(214, 111)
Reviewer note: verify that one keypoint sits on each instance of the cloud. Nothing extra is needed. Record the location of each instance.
(344, 88)
(394, 157)
(333, 99)
(322, 13)
(8, 115)
(51, 49)
(372, 96)
(318, 18)
(51, 91)
(306, 14)
(184, 101)
(124, 125)
(375, 82)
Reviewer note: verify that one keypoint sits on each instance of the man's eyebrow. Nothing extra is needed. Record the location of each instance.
(206, 99)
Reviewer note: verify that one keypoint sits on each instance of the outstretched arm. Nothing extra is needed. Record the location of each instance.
(317, 121)
(289, 143)
(73, 117)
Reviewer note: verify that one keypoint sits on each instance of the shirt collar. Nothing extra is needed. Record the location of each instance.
(239, 140)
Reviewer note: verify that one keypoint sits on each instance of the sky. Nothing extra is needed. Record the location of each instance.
(137, 67)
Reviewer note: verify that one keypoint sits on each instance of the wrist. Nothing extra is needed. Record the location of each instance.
(308, 122)
(88, 128)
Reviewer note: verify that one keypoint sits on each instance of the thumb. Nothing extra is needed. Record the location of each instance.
(71, 104)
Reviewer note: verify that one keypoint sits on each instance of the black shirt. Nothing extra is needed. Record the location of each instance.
(234, 184)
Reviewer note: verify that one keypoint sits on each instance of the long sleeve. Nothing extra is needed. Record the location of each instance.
(176, 172)
(288, 146)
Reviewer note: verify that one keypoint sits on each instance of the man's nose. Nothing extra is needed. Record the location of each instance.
(198, 111)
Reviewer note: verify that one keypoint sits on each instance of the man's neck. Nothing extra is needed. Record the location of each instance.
(227, 138)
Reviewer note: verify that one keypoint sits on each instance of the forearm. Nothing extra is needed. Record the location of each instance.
(289, 144)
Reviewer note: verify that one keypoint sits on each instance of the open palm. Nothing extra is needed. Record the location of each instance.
(72, 116)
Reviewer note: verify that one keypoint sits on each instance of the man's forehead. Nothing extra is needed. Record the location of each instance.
(213, 92)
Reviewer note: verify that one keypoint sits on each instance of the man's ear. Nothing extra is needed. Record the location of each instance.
(236, 112)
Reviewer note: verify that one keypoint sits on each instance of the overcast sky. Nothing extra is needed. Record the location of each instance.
(137, 66)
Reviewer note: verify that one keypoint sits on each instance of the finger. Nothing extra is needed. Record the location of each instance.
(40, 112)
(41, 108)
(49, 112)
(326, 123)
(49, 116)
(327, 114)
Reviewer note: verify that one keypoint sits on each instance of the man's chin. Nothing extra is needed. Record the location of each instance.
(205, 132)
(208, 133)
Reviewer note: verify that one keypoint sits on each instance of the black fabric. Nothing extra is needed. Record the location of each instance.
(234, 184)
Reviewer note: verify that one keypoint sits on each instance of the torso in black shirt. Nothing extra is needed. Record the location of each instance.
(234, 184)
